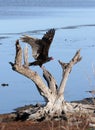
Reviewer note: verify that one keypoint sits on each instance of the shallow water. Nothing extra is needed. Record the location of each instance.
(75, 29)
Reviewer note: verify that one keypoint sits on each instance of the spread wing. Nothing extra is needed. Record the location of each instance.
(47, 40)
(34, 43)
(40, 47)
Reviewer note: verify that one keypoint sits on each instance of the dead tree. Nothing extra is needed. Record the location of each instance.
(55, 106)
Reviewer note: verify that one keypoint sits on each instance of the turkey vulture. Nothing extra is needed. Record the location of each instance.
(40, 47)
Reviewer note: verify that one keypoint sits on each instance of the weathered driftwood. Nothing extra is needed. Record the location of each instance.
(56, 106)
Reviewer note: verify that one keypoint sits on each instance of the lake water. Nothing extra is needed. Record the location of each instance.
(75, 29)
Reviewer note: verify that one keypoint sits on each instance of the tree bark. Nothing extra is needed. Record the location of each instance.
(67, 67)
(56, 106)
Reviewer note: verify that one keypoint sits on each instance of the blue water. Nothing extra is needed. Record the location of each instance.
(75, 29)
(49, 3)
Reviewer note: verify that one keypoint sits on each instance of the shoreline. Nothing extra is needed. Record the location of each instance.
(10, 121)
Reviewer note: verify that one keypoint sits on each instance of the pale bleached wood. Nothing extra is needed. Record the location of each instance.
(18, 67)
(67, 67)
(18, 57)
(55, 105)
(26, 56)
(50, 80)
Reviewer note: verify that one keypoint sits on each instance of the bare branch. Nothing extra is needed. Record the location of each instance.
(43, 89)
(50, 80)
(76, 58)
(18, 57)
(26, 56)
(67, 67)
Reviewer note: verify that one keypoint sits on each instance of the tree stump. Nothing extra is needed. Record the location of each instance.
(56, 107)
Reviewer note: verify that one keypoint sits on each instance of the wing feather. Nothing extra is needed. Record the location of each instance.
(40, 47)
(33, 43)
(47, 40)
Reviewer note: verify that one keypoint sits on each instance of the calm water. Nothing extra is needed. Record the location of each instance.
(75, 29)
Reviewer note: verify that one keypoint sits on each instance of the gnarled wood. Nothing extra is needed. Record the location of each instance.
(18, 67)
(67, 67)
(26, 56)
(18, 57)
(56, 106)
(50, 80)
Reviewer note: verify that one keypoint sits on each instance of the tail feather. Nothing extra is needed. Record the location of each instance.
(35, 63)
(31, 63)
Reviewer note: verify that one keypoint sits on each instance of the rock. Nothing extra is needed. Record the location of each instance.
(4, 84)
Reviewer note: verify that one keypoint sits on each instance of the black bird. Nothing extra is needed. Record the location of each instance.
(40, 47)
